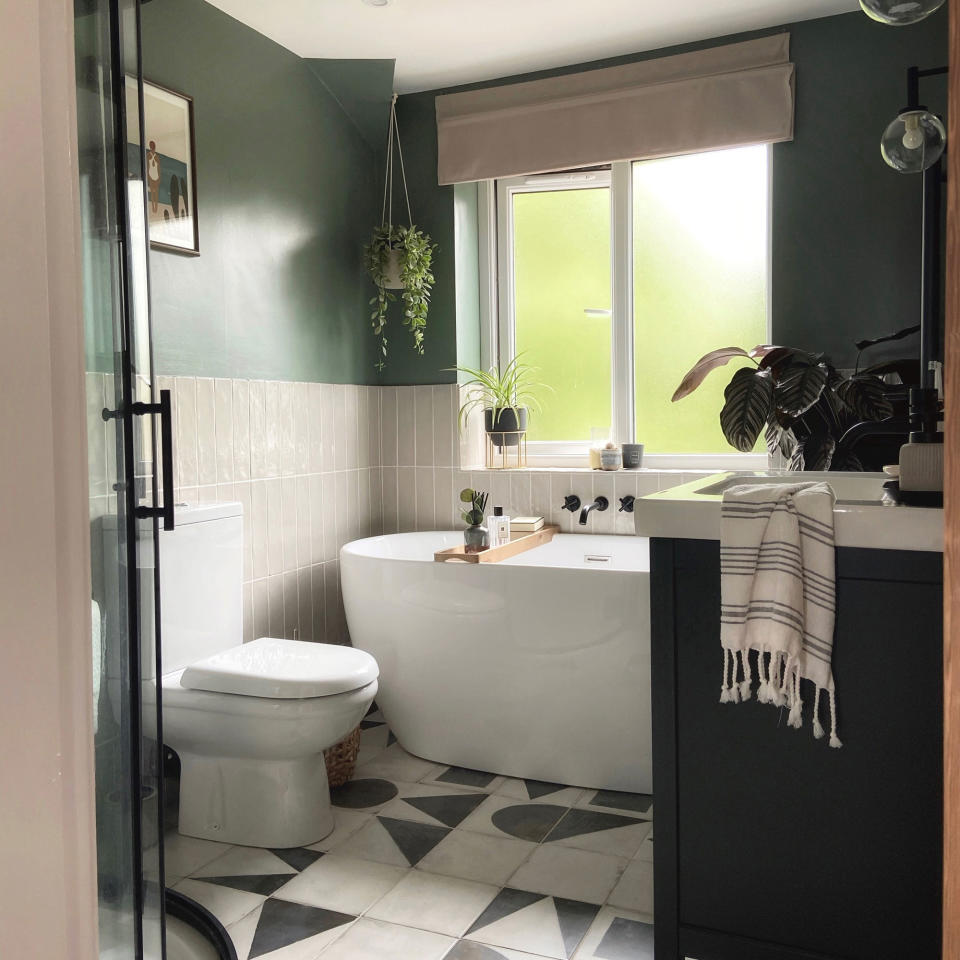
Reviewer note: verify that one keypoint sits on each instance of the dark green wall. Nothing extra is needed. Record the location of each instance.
(846, 228)
(287, 192)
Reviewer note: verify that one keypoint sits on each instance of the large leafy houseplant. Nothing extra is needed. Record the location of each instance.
(400, 257)
(798, 400)
(504, 396)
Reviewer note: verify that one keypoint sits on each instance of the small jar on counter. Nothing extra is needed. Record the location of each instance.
(610, 457)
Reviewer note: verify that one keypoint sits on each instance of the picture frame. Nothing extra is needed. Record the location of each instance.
(169, 167)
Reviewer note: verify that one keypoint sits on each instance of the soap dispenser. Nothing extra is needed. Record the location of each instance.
(499, 527)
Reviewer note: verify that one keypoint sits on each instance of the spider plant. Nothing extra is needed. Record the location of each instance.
(513, 388)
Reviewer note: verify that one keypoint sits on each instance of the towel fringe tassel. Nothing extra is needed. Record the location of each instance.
(834, 739)
(817, 725)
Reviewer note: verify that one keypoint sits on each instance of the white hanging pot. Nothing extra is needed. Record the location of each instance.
(392, 279)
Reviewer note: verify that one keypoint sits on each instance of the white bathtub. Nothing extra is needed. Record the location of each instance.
(536, 667)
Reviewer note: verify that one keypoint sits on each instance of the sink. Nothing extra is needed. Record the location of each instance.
(864, 514)
(850, 488)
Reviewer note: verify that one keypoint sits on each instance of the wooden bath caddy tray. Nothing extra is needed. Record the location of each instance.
(518, 544)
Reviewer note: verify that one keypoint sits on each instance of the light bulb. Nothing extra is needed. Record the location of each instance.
(912, 135)
(914, 141)
(900, 13)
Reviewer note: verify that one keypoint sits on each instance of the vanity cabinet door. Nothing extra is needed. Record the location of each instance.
(781, 846)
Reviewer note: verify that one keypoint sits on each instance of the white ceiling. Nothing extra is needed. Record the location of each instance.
(439, 43)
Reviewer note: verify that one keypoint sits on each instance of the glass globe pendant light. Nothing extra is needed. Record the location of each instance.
(900, 13)
(914, 141)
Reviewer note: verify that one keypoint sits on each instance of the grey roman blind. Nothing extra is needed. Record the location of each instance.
(727, 96)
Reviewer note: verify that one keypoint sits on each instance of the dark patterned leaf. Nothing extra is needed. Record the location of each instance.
(696, 375)
(799, 386)
(814, 453)
(779, 439)
(748, 399)
(865, 396)
(775, 356)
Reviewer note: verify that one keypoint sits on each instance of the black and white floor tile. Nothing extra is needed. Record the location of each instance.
(430, 862)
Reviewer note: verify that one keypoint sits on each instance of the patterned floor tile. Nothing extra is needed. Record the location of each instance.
(376, 940)
(465, 777)
(394, 763)
(646, 849)
(503, 817)
(570, 873)
(473, 856)
(183, 855)
(540, 790)
(616, 801)
(600, 831)
(341, 883)
(634, 891)
(245, 861)
(403, 843)
(291, 930)
(364, 793)
(617, 935)
(242, 934)
(527, 921)
(346, 823)
(426, 803)
(226, 903)
(431, 902)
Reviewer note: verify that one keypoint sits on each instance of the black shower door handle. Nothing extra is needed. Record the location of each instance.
(165, 410)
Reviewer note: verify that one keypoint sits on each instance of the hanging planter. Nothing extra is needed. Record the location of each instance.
(398, 258)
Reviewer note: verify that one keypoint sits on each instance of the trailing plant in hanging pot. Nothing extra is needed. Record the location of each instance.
(399, 258)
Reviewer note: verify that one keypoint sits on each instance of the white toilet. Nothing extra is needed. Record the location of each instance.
(249, 721)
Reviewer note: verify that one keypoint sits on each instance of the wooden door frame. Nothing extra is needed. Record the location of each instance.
(951, 572)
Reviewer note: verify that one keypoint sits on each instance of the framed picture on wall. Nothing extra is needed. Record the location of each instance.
(170, 167)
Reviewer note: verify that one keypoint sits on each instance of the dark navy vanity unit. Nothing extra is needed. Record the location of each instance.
(769, 844)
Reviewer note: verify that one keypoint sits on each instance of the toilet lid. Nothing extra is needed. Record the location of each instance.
(283, 669)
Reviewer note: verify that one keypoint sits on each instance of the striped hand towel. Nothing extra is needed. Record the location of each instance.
(778, 595)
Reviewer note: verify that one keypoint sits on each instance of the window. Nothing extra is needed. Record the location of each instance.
(615, 281)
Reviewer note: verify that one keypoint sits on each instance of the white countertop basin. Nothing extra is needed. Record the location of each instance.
(864, 515)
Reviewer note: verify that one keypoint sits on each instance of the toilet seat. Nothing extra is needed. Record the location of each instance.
(282, 670)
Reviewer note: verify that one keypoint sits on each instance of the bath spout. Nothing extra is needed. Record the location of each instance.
(601, 504)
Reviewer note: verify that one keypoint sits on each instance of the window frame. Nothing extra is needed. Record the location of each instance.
(497, 334)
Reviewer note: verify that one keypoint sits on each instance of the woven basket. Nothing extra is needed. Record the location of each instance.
(342, 758)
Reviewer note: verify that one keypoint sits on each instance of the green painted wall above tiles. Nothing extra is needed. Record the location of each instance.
(846, 228)
(287, 190)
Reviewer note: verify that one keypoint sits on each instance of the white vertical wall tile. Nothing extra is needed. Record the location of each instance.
(275, 605)
(261, 609)
(352, 525)
(521, 499)
(406, 426)
(291, 605)
(240, 409)
(317, 598)
(406, 499)
(258, 429)
(329, 424)
(351, 426)
(376, 501)
(426, 498)
(305, 603)
(303, 533)
(315, 501)
(373, 424)
(300, 427)
(274, 526)
(287, 431)
(363, 426)
(329, 501)
(604, 485)
(288, 531)
(342, 519)
(331, 602)
(273, 428)
(259, 525)
(206, 432)
(444, 425)
(187, 431)
(389, 512)
(540, 499)
(223, 404)
(423, 426)
(444, 499)
(364, 521)
(243, 493)
(388, 426)
(247, 612)
(340, 429)
(314, 427)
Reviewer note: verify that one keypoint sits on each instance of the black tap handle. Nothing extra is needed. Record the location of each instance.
(626, 503)
(571, 502)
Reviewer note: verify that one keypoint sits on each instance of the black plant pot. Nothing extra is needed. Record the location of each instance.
(505, 430)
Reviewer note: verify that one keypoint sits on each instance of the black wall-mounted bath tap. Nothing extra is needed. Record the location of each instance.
(601, 504)
(571, 502)
(626, 503)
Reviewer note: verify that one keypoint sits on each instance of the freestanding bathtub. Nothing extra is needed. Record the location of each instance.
(535, 667)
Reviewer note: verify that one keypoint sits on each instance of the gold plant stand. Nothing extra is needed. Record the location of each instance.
(509, 456)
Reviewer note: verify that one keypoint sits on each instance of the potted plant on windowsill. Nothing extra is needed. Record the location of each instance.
(803, 406)
(504, 396)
